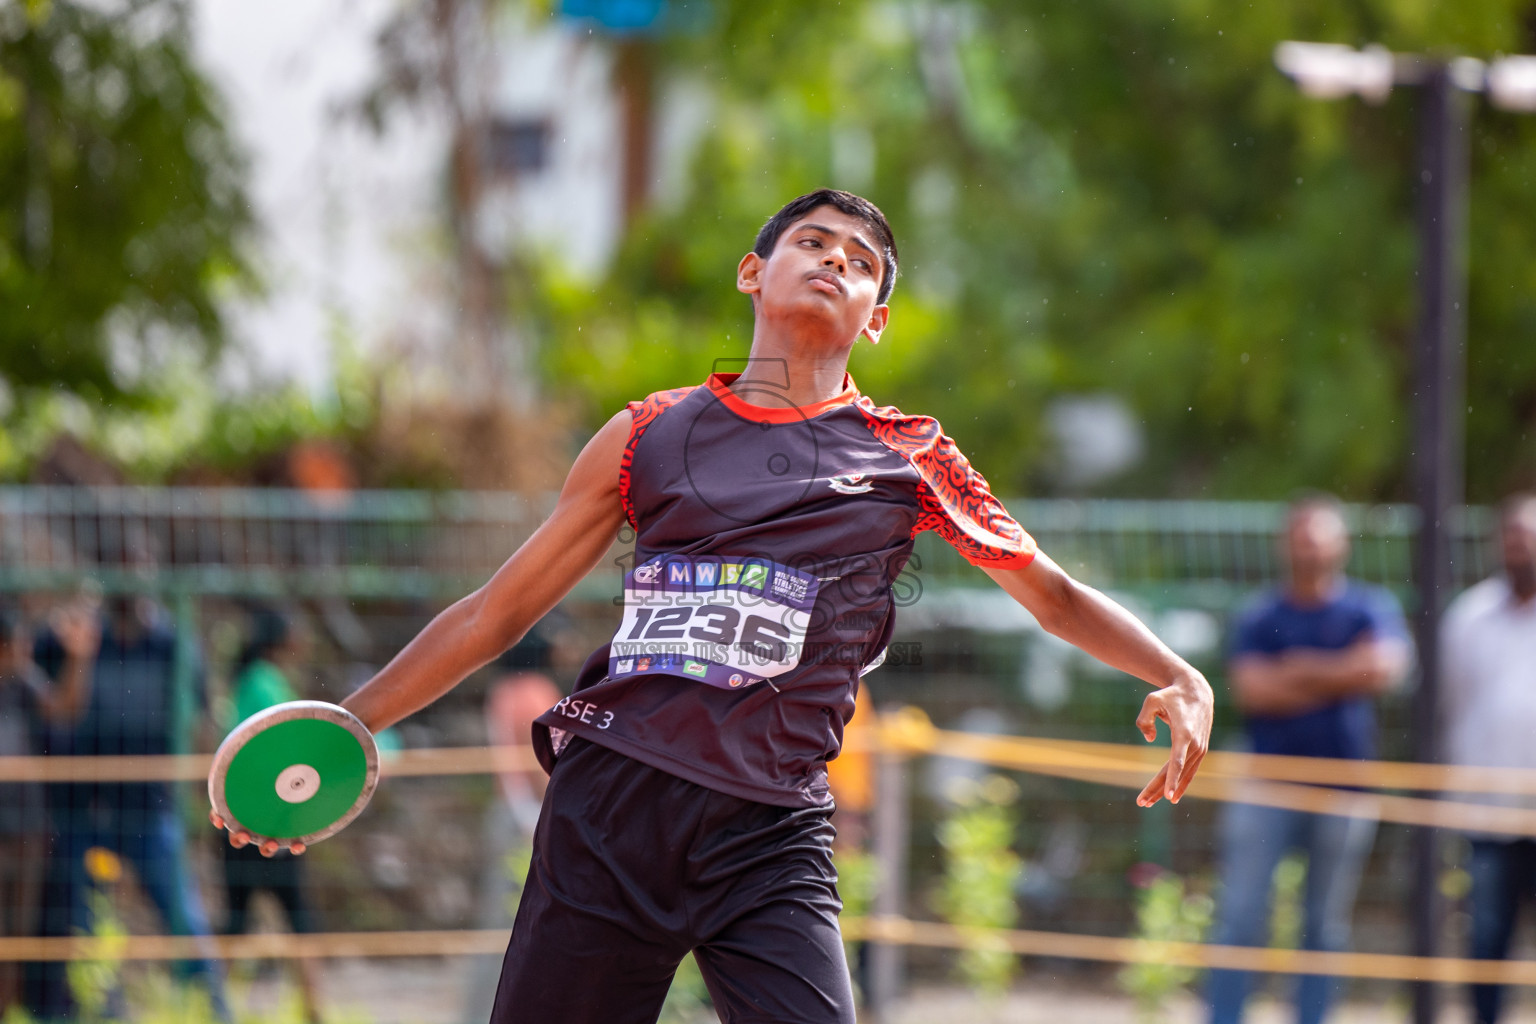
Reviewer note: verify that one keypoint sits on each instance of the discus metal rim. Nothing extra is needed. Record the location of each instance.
(294, 710)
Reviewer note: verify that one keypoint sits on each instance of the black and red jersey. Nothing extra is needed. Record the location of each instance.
(768, 541)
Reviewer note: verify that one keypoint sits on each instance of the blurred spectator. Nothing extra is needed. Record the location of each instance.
(520, 693)
(279, 645)
(1306, 661)
(1488, 701)
(28, 703)
(132, 711)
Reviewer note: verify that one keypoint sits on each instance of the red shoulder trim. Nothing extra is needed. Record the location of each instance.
(954, 499)
(643, 413)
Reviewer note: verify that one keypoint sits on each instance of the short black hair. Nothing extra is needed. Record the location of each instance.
(842, 202)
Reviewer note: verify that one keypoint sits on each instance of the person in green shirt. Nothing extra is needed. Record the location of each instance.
(277, 649)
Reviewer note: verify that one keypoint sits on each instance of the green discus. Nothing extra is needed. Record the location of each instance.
(296, 772)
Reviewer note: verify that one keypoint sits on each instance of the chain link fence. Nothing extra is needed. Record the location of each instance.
(369, 569)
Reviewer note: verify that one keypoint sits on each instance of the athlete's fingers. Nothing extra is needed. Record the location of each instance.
(1154, 789)
(1191, 765)
(1193, 741)
(241, 837)
(1147, 720)
(1187, 708)
(1174, 771)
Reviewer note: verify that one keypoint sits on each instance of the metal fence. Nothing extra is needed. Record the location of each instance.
(238, 541)
(374, 566)
(408, 543)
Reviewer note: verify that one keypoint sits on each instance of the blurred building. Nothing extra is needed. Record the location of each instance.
(375, 170)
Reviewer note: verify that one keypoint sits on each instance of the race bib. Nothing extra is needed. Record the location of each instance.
(725, 621)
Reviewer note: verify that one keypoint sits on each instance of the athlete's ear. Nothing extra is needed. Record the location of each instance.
(749, 273)
(878, 318)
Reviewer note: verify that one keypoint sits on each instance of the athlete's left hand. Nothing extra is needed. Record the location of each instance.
(1082, 616)
(240, 837)
(1187, 705)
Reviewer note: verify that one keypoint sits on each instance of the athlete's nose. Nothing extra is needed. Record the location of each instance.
(836, 260)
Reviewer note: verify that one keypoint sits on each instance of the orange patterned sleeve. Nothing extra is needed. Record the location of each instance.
(643, 413)
(954, 499)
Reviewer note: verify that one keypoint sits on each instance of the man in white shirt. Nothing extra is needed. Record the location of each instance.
(1488, 646)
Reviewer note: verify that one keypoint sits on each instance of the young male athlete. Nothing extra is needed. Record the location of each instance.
(687, 807)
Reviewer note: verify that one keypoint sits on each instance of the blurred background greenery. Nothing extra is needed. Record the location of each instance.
(1120, 203)
(1135, 263)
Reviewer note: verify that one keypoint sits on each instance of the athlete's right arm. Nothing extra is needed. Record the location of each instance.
(481, 625)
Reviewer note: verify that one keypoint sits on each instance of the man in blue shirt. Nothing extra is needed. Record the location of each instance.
(1306, 662)
(130, 711)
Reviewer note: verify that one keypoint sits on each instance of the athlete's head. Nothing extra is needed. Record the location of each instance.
(826, 254)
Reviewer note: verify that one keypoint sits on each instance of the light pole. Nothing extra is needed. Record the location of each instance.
(1327, 71)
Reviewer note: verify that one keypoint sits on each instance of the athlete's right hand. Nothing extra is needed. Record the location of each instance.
(240, 837)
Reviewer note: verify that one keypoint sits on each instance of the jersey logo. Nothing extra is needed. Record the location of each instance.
(648, 573)
(851, 483)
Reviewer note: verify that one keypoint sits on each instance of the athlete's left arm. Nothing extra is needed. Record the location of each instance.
(1089, 620)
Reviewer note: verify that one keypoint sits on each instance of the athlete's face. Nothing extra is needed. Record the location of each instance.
(824, 271)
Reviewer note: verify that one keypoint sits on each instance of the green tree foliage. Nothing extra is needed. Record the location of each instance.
(122, 211)
(1090, 197)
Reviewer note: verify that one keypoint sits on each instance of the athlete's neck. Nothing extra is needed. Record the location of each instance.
(807, 373)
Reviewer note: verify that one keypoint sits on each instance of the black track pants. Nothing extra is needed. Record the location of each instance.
(633, 867)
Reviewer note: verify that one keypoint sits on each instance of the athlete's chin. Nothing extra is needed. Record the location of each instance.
(816, 317)
(831, 335)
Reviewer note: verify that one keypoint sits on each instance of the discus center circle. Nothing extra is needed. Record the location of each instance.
(778, 464)
(297, 783)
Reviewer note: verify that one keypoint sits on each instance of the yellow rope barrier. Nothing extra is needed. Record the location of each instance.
(279, 946)
(1267, 780)
(898, 930)
(1066, 945)
(1327, 771)
(194, 767)
(1131, 767)
(907, 731)
(1306, 784)
(1031, 750)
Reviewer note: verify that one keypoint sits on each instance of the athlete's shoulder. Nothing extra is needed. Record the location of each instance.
(657, 402)
(642, 414)
(906, 433)
(955, 499)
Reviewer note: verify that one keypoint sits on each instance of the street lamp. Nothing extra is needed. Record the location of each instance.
(1330, 71)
